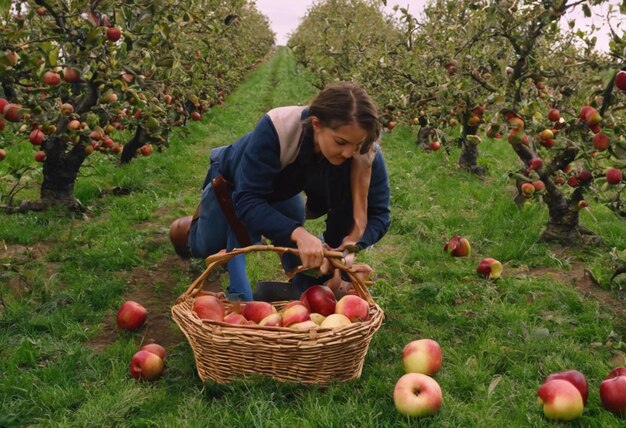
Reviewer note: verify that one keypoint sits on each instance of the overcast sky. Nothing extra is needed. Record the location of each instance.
(285, 15)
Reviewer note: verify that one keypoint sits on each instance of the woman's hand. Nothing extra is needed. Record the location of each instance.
(309, 246)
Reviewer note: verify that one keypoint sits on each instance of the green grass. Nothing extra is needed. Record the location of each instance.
(66, 277)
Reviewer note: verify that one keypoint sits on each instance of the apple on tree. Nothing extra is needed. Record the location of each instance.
(131, 315)
(417, 394)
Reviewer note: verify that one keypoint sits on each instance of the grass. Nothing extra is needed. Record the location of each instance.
(66, 277)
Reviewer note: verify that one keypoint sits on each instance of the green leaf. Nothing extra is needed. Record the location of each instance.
(586, 10)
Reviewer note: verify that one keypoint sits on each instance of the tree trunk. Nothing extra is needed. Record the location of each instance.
(469, 151)
(130, 149)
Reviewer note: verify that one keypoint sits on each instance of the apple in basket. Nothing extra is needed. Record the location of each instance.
(317, 318)
(146, 366)
(209, 307)
(354, 307)
(235, 318)
(131, 315)
(319, 299)
(155, 348)
(272, 320)
(335, 320)
(256, 311)
(304, 325)
(295, 314)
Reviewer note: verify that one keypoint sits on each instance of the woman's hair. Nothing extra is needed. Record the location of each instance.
(344, 103)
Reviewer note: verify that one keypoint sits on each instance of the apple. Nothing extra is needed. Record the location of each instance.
(584, 110)
(12, 112)
(40, 156)
(572, 181)
(613, 176)
(546, 134)
(256, 311)
(417, 394)
(235, 318)
(146, 150)
(422, 356)
(131, 315)
(272, 320)
(168, 99)
(554, 115)
(535, 164)
(319, 299)
(559, 181)
(392, 124)
(434, 145)
(613, 394)
(617, 371)
(458, 246)
(146, 366)
(74, 125)
(196, 115)
(335, 321)
(582, 204)
(620, 80)
(51, 78)
(114, 34)
(490, 268)
(208, 307)
(304, 325)
(601, 142)
(527, 189)
(576, 378)
(3, 103)
(560, 400)
(71, 75)
(595, 128)
(156, 349)
(354, 307)
(548, 144)
(36, 137)
(539, 185)
(593, 117)
(317, 318)
(3, 154)
(295, 314)
(66, 109)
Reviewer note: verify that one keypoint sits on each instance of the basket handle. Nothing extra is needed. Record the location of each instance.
(334, 257)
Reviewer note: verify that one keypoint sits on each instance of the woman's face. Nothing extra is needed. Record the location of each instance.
(337, 145)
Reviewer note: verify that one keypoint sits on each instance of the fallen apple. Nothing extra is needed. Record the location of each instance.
(613, 176)
(422, 356)
(576, 378)
(560, 400)
(131, 315)
(613, 394)
(417, 394)
(155, 348)
(458, 246)
(146, 365)
(490, 268)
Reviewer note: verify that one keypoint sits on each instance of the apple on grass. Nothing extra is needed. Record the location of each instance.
(422, 356)
(613, 391)
(417, 394)
(560, 400)
(155, 348)
(131, 315)
(458, 246)
(574, 377)
(146, 365)
(319, 299)
(208, 307)
(489, 268)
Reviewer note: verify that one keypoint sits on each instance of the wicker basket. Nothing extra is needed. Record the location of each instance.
(318, 356)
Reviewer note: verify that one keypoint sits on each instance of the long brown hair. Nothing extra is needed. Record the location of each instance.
(343, 103)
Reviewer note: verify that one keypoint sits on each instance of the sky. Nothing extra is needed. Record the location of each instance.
(285, 15)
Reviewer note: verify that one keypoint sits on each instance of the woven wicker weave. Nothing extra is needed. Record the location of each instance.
(224, 352)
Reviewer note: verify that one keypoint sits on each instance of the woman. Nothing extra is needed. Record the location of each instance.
(293, 150)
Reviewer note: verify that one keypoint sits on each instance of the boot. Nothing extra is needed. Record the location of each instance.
(179, 232)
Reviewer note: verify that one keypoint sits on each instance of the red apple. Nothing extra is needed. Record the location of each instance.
(434, 145)
(595, 128)
(155, 348)
(146, 150)
(74, 125)
(114, 34)
(527, 189)
(539, 185)
(66, 109)
(208, 307)
(554, 115)
(168, 99)
(320, 299)
(3, 154)
(560, 400)
(584, 176)
(40, 156)
(71, 75)
(256, 311)
(458, 246)
(131, 315)
(620, 80)
(613, 394)
(3, 104)
(272, 320)
(146, 366)
(295, 314)
(593, 117)
(422, 356)
(576, 378)
(548, 144)
(490, 268)
(196, 115)
(12, 112)
(354, 307)
(613, 176)
(416, 394)
(51, 78)
(36, 137)
(601, 142)
(584, 110)
(335, 321)
(235, 318)
(572, 181)
(535, 164)
(617, 371)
